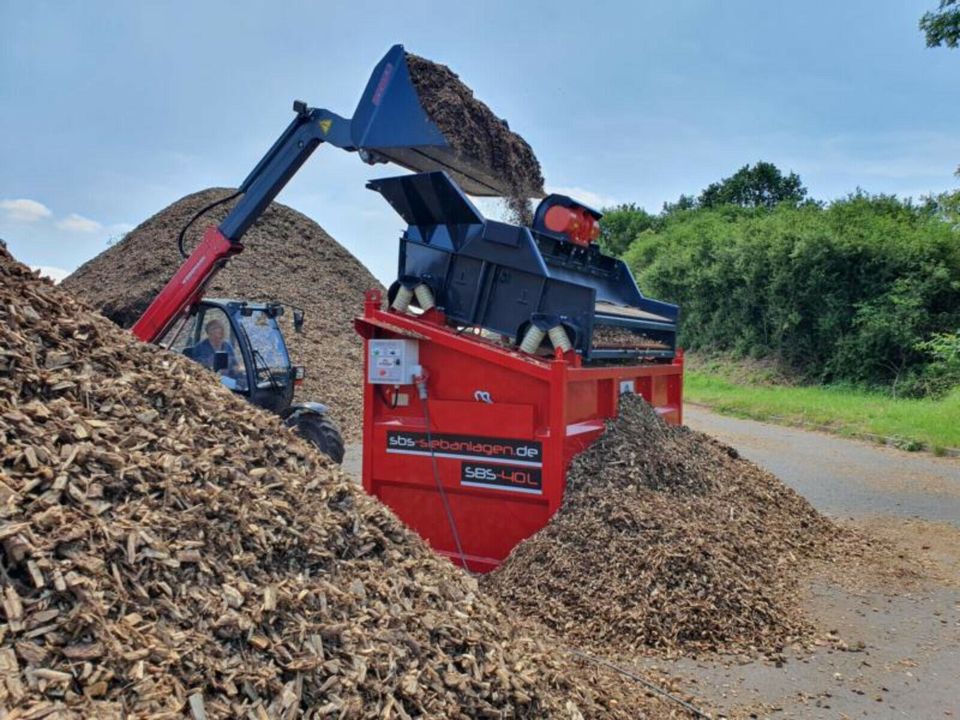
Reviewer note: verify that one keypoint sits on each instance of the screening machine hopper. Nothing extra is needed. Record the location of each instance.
(501, 353)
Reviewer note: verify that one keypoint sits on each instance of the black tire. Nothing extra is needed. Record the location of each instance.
(321, 432)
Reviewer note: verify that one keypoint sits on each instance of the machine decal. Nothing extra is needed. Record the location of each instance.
(382, 85)
(501, 477)
(527, 453)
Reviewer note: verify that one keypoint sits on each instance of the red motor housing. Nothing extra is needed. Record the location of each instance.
(576, 223)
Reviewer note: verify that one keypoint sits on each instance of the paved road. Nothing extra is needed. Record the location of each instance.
(843, 477)
(910, 665)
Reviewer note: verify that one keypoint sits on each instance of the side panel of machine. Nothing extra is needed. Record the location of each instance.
(495, 502)
(503, 430)
(513, 297)
(487, 443)
(464, 287)
(598, 397)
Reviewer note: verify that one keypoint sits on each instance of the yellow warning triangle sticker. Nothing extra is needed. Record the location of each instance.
(325, 125)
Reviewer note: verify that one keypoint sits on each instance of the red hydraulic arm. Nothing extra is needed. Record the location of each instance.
(388, 124)
(186, 287)
(310, 128)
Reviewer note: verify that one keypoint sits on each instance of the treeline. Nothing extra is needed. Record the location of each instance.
(865, 289)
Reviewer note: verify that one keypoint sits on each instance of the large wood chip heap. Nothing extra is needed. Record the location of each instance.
(168, 550)
(476, 133)
(668, 540)
(288, 257)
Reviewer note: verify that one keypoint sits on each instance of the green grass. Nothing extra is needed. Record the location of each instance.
(933, 424)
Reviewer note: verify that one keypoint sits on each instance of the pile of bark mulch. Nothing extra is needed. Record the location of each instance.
(167, 550)
(668, 540)
(288, 257)
(478, 135)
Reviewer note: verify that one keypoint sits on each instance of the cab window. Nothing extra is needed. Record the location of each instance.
(267, 346)
(201, 336)
(181, 334)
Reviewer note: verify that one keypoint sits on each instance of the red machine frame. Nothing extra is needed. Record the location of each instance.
(503, 429)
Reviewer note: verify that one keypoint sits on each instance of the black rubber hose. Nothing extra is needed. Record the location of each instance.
(202, 211)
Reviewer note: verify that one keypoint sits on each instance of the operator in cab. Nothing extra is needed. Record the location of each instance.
(205, 351)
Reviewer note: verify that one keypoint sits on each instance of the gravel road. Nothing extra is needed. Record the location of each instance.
(910, 664)
(840, 476)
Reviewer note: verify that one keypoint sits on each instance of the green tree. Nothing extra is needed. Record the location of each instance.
(621, 225)
(942, 26)
(684, 202)
(762, 185)
(943, 373)
(842, 292)
(945, 206)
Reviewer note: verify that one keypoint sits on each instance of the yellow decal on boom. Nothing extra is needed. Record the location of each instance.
(325, 125)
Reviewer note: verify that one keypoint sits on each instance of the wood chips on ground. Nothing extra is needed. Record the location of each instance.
(288, 257)
(168, 550)
(667, 539)
(610, 336)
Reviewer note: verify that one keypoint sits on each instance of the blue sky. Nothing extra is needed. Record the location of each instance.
(109, 111)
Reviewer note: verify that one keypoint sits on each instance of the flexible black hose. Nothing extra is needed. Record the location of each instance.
(202, 211)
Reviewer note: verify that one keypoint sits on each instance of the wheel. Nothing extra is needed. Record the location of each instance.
(321, 432)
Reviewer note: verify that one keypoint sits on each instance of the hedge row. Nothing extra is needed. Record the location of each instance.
(849, 291)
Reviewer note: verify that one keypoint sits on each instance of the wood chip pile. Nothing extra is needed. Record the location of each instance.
(668, 540)
(609, 336)
(167, 550)
(288, 257)
(476, 133)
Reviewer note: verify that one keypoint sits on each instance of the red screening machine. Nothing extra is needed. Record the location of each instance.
(501, 353)
(502, 350)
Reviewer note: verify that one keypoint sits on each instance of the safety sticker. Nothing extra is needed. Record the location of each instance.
(502, 477)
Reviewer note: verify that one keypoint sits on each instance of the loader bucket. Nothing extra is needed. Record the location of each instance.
(391, 123)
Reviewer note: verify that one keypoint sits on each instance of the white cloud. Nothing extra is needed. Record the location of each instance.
(587, 197)
(54, 273)
(78, 223)
(24, 210)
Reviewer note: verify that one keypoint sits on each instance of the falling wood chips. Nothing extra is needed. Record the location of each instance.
(668, 540)
(169, 551)
(477, 135)
(288, 257)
